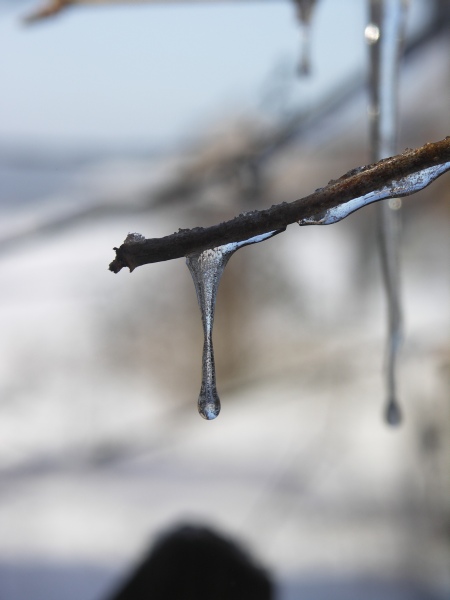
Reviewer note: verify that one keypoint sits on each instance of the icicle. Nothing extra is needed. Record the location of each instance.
(206, 269)
(304, 11)
(385, 38)
(400, 187)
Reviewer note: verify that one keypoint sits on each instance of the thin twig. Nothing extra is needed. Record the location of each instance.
(53, 7)
(137, 251)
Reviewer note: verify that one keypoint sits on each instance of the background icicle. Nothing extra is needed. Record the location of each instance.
(384, 35)
(305, 9)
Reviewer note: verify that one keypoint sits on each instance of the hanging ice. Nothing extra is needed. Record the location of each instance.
(385, 38)
(384, 35)
(206, 269)
(304, 11)
(395, 189)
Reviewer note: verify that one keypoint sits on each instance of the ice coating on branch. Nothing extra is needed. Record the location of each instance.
(206, 269)
(396, 188)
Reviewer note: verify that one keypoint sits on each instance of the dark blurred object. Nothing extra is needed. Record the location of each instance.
(305, 10)
(195, 563)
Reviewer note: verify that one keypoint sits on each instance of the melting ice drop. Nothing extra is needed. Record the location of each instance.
(393, 414)
(206, 269)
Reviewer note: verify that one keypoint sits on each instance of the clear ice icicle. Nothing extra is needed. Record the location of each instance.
(385, 38)
(206, 269)
(304, 11)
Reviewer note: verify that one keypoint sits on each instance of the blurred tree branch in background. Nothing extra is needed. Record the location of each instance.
(54, 7)
(388, 176)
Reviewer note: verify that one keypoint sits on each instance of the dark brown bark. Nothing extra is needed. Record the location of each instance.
(137, 251)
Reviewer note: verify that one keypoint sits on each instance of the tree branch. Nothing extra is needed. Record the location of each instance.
(400, 175)
(54, 7)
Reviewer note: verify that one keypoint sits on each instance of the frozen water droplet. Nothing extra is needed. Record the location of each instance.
(209, 403)
(395, 203)
(206, 269)
(372, 33)
(393, 414)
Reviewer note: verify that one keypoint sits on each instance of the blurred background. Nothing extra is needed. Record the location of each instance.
(146, 118)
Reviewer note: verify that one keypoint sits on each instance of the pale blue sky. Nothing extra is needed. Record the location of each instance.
(152, 73)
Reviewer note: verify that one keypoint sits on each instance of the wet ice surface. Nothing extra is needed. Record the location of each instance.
(397, 188)
(206, 269)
